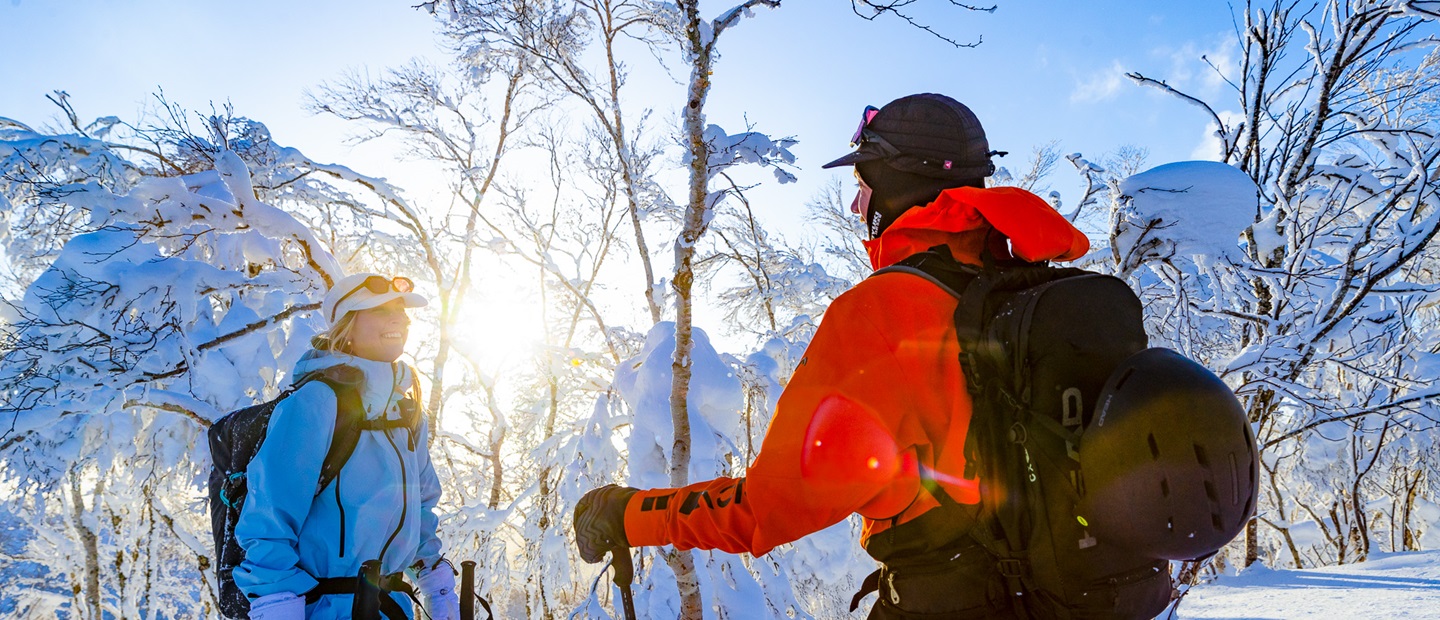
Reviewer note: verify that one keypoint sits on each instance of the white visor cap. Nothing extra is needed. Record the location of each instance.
(350, 295)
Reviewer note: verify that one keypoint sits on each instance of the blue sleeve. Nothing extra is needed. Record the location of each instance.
(281, 488)
(429, 551)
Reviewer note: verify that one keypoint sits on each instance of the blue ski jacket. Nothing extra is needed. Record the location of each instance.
(381, 506)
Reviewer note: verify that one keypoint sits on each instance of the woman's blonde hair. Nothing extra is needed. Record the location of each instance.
(337, 338)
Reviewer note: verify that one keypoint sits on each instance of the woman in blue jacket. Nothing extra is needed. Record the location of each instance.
(382, 503)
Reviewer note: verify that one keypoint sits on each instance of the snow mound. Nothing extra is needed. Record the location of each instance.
(1401, 585)
(1190, 208)
(715, 400)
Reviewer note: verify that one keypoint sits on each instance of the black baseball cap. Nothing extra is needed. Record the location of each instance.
(926, 134)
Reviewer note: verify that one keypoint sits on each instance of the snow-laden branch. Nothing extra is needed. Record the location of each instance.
(1228, 137)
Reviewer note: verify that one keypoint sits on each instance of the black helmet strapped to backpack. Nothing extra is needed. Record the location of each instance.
(1098, 459)
(1168, 436)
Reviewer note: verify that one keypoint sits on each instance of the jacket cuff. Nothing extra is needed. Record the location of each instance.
(647, 517)
(298, 581)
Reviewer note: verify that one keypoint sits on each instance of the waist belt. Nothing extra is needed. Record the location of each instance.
(394, 582)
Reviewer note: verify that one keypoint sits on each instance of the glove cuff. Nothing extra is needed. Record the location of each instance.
(437, 580)
(278, 606)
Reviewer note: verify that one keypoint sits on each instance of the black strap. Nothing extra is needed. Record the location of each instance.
(937, 266)
(969, 319)
(349, 413)
(394, 582)
(350, 422)
(490, 615)
(870, 584)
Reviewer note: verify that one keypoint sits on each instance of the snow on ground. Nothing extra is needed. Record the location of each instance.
(1399, 585)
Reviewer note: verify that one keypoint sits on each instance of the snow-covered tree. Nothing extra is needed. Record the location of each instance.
(1302, 267)
(178, 272)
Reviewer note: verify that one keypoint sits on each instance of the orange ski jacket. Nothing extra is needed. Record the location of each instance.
(878, 396)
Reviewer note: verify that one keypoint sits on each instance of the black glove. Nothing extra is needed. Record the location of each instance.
(600, 521)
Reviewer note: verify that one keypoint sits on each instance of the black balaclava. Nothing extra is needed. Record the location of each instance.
(893, 192)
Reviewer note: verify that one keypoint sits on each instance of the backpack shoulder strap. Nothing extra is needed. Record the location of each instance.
(349, 419)
(939, 267)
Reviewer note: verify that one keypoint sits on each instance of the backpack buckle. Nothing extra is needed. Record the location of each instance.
(1018, 434)
(1011, 568)
(890, 582)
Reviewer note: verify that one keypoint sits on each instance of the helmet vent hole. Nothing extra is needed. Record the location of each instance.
(1234, 481)
(1210, 492)
(1200, 456)
(1164, 487)
(1215, 521)
(1154, 448)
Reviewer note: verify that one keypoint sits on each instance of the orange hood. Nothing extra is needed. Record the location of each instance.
(962, 218)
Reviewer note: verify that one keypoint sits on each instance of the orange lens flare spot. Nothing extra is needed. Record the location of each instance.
(847, 444)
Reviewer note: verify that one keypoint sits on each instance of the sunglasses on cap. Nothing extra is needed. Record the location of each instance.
(863, 134)
(865, 118)
(380, 285)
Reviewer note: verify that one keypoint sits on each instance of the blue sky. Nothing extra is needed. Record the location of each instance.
(1048, 70)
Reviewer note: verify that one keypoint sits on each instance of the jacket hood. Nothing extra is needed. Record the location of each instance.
(383, 382)
(964, 217)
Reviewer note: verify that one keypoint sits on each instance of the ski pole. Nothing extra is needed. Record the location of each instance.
(366, 605)
(467, 590)
(624, 575)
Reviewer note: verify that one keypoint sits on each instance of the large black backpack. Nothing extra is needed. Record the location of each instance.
(1044, 349)
(234, 440)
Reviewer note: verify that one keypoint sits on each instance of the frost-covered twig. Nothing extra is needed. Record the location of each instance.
(1369, 411)
(1226, 135)
(877, 8)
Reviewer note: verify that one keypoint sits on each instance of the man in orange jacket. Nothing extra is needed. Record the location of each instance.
(874, 419)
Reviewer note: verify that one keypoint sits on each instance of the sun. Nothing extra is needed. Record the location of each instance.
(499, 327)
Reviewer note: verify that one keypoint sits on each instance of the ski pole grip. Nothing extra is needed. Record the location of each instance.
(624, 566)
(366, 605)
(624, 575)
(467, 590)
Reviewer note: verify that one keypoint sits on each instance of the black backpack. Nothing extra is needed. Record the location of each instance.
(1044, 349)
(234, 440)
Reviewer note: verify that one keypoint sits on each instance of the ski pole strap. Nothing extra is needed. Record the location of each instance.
(389, 609)
(484, 604)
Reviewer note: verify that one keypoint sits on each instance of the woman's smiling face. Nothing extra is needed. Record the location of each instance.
(379, 333)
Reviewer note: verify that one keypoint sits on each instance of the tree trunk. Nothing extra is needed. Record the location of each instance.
(498, 466)
(87, 590)
(683, 565)
(691, 606)
(437, 385)
(627, 175)
(453, 296)
(1342, 539)
(1412, 487)
(1252, 541)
